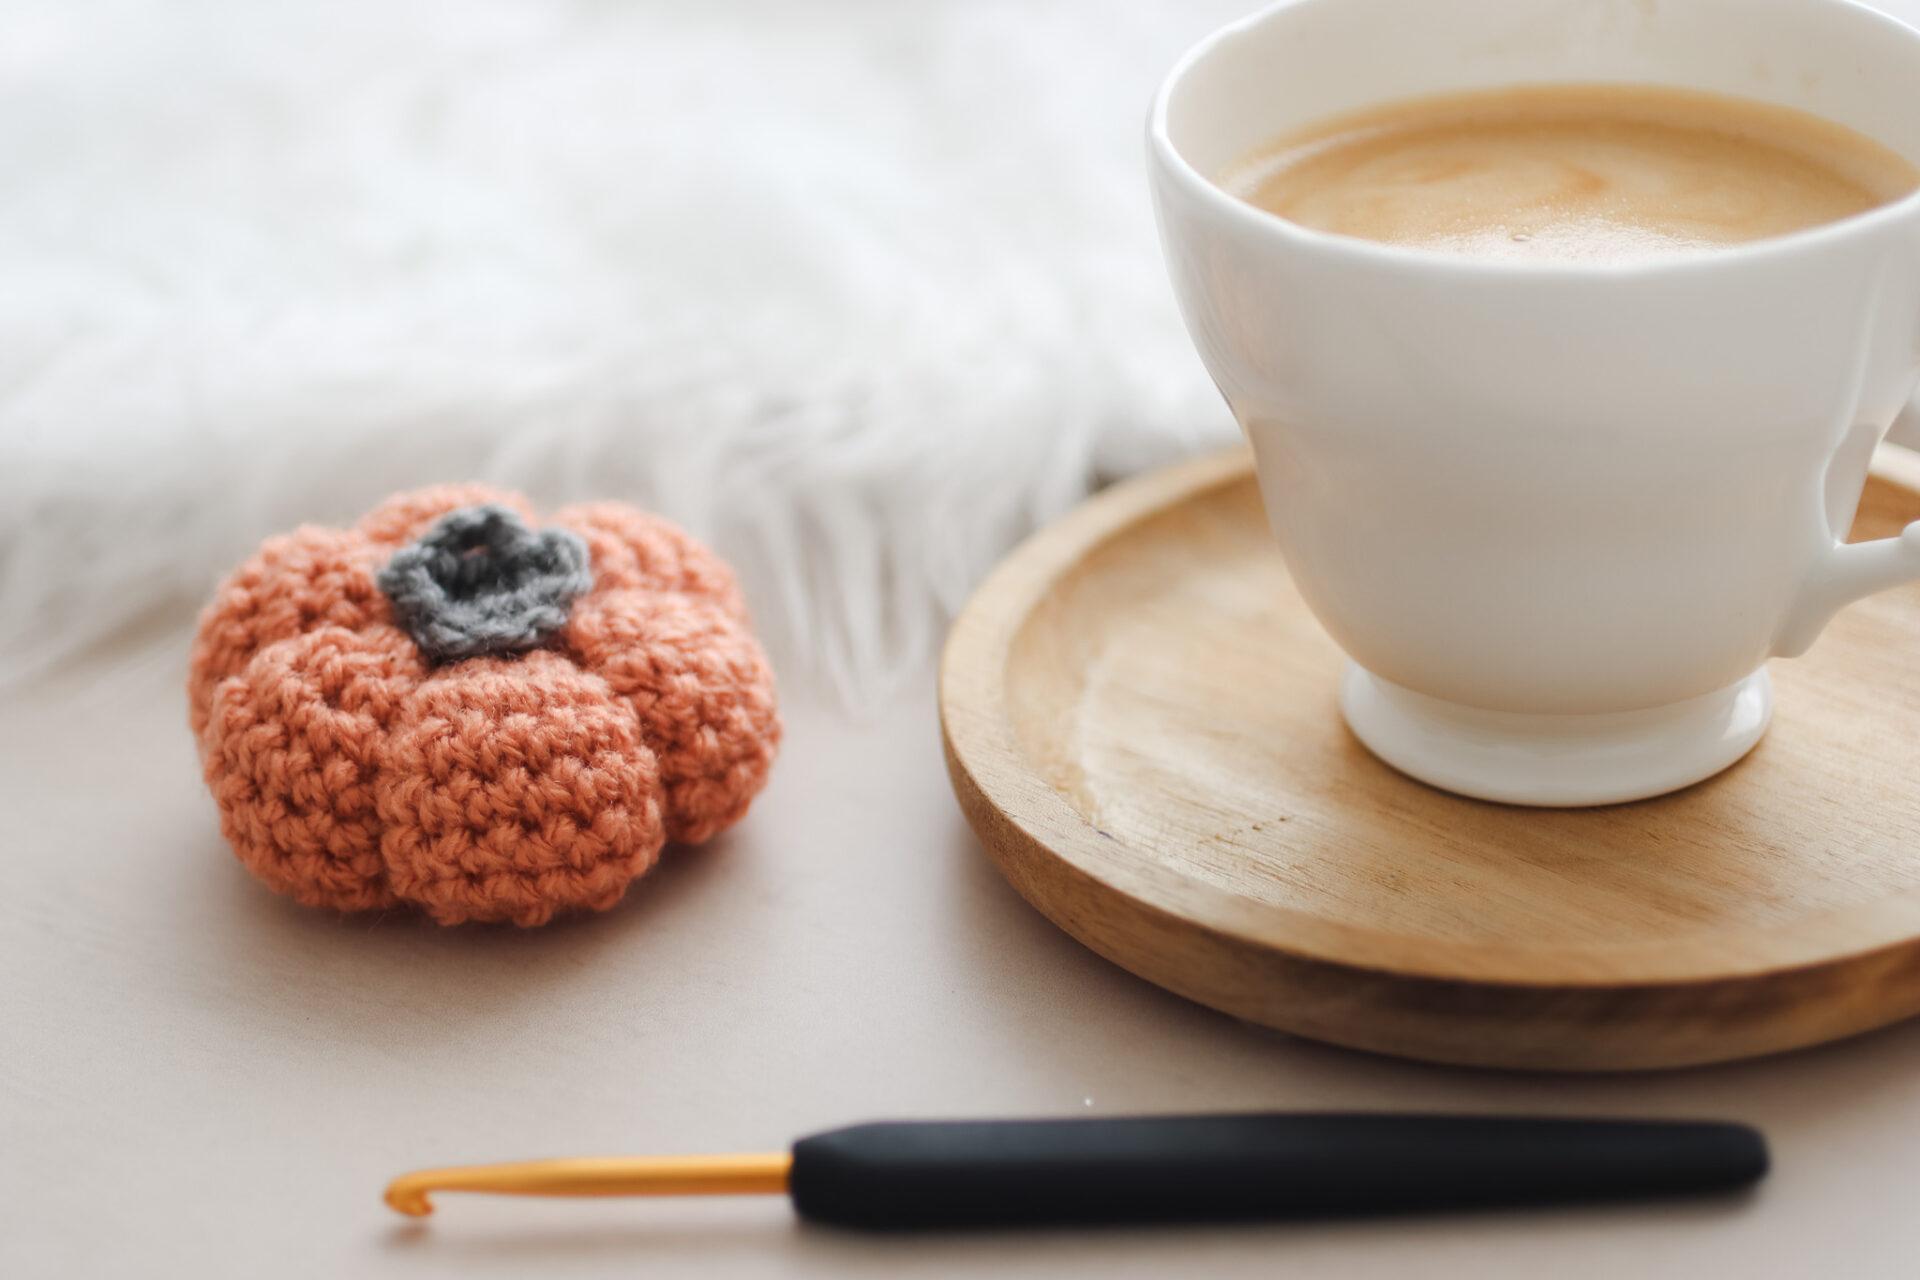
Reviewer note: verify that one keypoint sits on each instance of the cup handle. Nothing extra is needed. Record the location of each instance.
(1852, 571)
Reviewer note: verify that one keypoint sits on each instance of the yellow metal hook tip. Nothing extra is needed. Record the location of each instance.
(762, 1173)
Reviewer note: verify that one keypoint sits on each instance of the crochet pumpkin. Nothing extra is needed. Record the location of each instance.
(448, 707)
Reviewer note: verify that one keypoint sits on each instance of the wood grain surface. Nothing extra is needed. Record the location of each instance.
(1141, 725)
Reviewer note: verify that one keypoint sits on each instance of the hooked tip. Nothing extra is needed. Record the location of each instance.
(405, 1196)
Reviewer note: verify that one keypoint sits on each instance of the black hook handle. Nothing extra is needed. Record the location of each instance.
(1268, 1166)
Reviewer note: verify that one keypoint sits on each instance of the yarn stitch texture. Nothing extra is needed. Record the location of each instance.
(481, 582)
(354, 771)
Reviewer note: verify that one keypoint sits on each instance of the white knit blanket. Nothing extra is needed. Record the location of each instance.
(859, 291)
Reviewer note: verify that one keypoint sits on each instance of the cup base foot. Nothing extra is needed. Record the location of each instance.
(1556, 760)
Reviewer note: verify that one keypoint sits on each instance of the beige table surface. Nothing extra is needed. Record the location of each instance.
(198, 1078)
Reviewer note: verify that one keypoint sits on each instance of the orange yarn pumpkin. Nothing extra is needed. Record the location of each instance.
(353, 773)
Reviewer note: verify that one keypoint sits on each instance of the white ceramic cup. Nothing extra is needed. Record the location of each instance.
(1559, 516)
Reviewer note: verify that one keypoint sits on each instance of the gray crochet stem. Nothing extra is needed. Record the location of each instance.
(481, 582)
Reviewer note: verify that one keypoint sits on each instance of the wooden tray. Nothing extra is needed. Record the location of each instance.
(1141, 724)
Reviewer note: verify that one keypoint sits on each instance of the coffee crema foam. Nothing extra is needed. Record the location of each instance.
(1587, 173)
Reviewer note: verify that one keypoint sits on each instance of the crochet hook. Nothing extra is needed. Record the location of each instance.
(1161, 1168)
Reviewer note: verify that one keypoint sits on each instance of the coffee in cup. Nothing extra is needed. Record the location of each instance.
(1594, 172)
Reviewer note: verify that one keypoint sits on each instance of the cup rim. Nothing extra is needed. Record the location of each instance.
(1376, 253)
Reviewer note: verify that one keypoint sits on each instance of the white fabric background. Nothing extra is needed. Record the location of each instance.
(858, 290)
